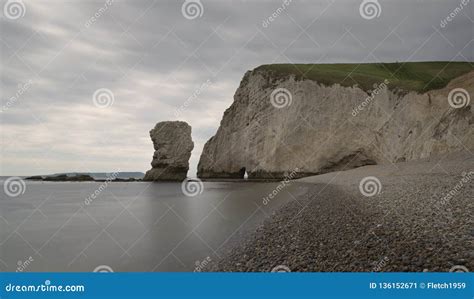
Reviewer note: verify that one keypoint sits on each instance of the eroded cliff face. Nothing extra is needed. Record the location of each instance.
(173, 145)
(322, 128)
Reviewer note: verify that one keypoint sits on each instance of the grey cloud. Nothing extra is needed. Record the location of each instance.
(153, 60)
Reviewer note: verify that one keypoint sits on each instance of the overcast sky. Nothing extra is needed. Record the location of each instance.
(155, 58)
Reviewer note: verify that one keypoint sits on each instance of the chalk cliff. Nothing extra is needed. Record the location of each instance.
(173, 145)
(282, 123)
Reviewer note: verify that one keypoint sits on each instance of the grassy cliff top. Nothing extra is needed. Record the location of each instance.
(410, 76)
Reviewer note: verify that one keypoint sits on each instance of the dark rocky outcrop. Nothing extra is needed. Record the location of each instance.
(62, 178)
(34, 178)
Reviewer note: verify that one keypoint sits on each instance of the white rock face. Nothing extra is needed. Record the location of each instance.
(173, 145)
(330, 128)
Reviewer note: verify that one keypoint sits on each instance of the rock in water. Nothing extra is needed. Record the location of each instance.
(173, 145)
(281, 125)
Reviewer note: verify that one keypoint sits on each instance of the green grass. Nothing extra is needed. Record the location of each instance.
(410, 76)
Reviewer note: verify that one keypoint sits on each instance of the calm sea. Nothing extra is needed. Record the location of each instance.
(46, 226)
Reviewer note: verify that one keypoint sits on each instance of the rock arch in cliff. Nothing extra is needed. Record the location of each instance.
(326, 127)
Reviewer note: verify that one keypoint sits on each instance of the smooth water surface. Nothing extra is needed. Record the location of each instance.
(135, 226)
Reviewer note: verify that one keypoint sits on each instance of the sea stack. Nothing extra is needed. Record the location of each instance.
(173, 145)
